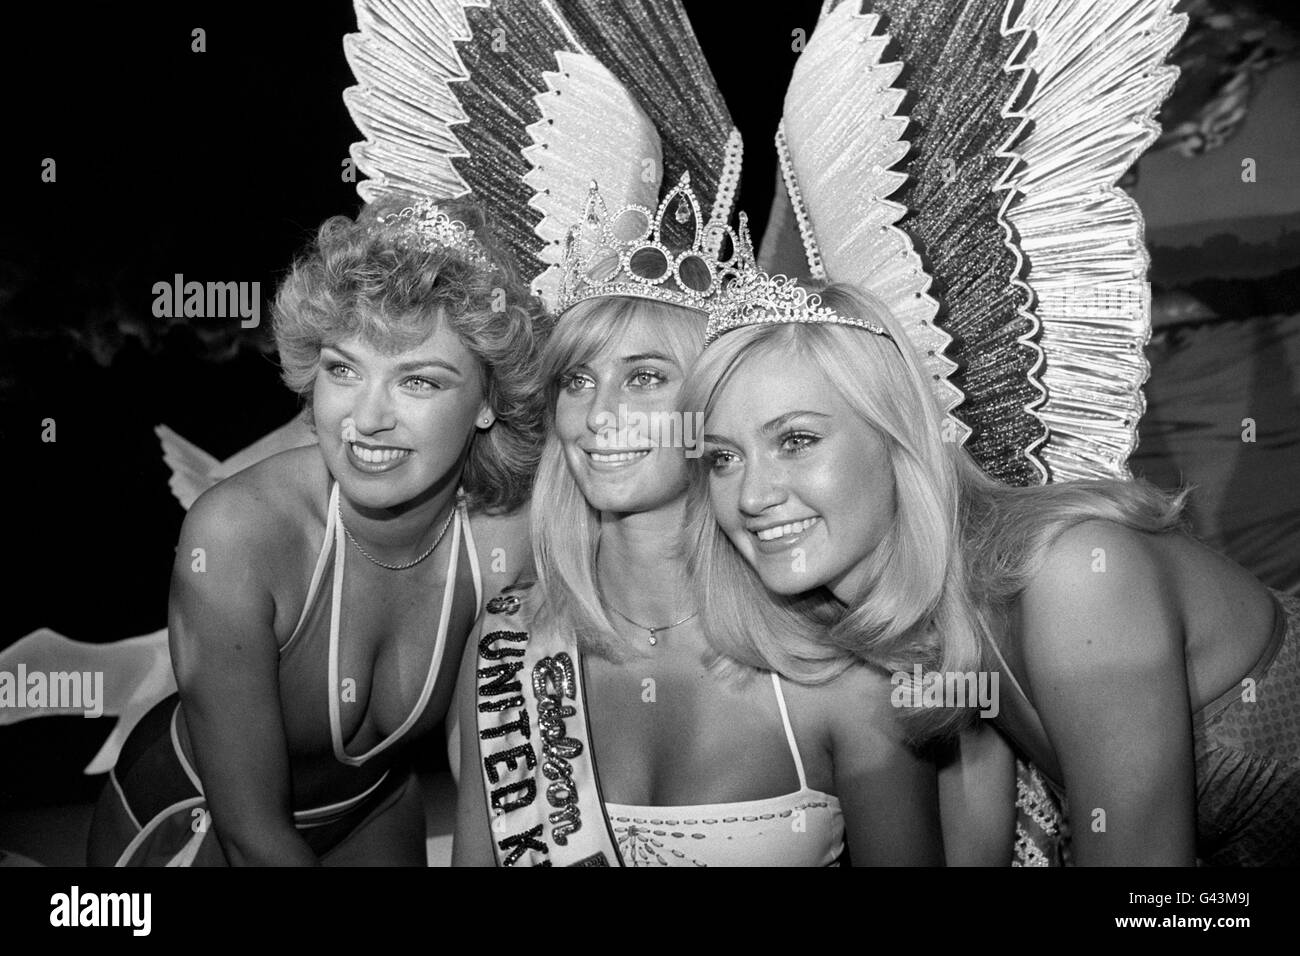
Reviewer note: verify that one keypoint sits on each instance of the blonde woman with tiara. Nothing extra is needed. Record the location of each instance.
(959, 161)
(949, 457)
(1152, 681)
(605, 663)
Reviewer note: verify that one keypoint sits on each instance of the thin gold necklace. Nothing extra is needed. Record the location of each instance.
(409, 564)
(653, 630)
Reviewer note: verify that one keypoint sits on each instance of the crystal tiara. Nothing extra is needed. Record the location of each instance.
(753, 297)
(623, 253)
(426, 227)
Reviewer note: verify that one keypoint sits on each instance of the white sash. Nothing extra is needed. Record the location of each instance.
(543, 797)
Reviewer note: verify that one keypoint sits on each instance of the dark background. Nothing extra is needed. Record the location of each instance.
(217, 165)
(220, 166)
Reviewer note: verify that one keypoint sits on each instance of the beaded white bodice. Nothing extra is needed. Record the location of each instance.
(804, 828)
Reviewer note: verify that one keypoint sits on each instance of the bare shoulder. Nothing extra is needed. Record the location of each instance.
(287, 476)
(1096, 547)
(239, 570)
(1102, 596)
(264, 513)
(857, 702)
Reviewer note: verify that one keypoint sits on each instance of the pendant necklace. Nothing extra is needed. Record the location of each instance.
(653, 630)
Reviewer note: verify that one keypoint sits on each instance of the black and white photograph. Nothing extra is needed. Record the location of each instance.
(653, 433)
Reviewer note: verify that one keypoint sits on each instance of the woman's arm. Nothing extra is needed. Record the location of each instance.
(1105, 662)
(977, 799)
(888, 793)
(472, 845)
(225, 654)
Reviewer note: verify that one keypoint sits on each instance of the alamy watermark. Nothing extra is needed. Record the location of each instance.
(133, 911)
(68, 691)
(630, 430)
(946, 689)
(179, 299)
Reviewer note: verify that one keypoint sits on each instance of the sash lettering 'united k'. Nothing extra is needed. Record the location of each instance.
(543, 798)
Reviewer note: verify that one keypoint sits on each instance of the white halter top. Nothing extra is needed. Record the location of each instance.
(335, 544)
(804, 828)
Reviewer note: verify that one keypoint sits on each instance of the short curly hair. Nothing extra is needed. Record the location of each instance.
(356, 279)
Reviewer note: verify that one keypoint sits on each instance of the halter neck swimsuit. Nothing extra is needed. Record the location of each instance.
(155, 797)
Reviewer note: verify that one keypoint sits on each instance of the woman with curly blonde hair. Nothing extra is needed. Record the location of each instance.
(321, 598)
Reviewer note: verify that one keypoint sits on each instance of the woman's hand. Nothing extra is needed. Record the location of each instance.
(226, 657)
(1104, 656)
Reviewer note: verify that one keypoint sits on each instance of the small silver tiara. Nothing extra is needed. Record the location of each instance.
(623, 253)
(754, 297)
(426, 227)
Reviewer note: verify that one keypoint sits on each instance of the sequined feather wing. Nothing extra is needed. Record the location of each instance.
(841, 131)
(961, 72)
(523, 102)
(444, 97)
(589, 124)
(650, 46)
(1100, 77)
(940, 85)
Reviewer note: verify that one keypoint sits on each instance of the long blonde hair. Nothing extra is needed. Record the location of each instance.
(565, 528)
(961, 545)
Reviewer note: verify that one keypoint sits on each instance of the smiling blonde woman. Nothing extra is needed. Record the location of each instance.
(321, 598)
(1152, 681)
(650, 750)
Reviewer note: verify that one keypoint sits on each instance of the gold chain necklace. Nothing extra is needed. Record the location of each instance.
(653, 630)
(408, 564)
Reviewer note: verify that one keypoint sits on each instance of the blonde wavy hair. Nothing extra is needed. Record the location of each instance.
(565, 528)
(357, 279)
(961, 546)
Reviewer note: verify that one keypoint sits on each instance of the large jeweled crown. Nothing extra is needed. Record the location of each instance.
(425, 226)
(624, 253)
(753, 297)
